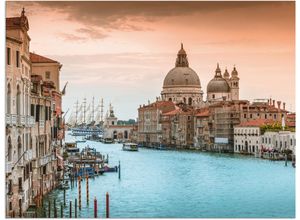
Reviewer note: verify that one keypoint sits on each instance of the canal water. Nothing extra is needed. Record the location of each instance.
(186, 184)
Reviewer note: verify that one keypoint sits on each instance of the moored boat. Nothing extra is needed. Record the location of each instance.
(130, 147)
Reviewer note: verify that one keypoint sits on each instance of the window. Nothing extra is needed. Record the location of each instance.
(18, 58)
(250, 115)
(257, 114)
(190, 101)
(9, 153)
(262, 140)
(32, 110)
(274, 116)
(18, 100)
(37, 113)
(213, 96)
(47, 75)
(8, 56)
(265, 116)
(8, 104)
(20, 184)
(291, 142)
(269, 140)
(245, 115)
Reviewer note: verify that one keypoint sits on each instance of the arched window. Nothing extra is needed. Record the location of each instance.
(18, 100)
(170, 99)
(8, 104)
(9, 150)
(184, 99)
(126, 134)
(213, 96)
(19, 147)
(190, 101)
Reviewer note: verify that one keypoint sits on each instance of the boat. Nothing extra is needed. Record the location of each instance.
(108, 141)
(64, 185)
(130, 147)
(83, 121)
(106, 169)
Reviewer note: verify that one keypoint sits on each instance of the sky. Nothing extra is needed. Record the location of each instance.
(121, 51)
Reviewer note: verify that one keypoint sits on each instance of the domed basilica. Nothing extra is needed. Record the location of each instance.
(182, 84)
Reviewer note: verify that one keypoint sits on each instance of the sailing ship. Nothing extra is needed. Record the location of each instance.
(86, 120)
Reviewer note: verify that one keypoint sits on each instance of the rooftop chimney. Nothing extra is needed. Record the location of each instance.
(283, 106)
(270, 101)
(274, 103)
(278, 104)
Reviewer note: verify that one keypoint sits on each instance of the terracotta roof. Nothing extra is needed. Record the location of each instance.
(290, 124)
(203, 114)
(173, 112)
(256, 123)
(292, 115)
(35, 58)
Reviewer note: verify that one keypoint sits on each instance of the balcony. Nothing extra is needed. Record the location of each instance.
(28, 156)
(42, 123)
(45, 159)
(30, 122)
(14, 119)
(8, 167)
(22, 120)
(8, 119)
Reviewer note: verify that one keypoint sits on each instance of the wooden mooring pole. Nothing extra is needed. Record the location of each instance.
(285, 159)
(79, 192)
(75, 208)
(70, 211)
(119, 170)
(61, 210)
(87, 190)
(107, 205)
(95, 208)
(64, 197)
(55, 209)
(49, 209)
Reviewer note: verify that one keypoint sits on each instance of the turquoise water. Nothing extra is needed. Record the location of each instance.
(187, 184)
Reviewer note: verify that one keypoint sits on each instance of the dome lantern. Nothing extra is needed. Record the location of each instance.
(181, 60)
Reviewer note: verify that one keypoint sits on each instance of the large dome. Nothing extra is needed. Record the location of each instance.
(218, 85)
(181, 77)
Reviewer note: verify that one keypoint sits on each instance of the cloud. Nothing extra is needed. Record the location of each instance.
(70, 37)
(92, 33)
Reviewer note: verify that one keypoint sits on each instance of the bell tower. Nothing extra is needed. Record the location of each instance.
(234, 84)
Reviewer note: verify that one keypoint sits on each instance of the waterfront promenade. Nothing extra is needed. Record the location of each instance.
(186, 184)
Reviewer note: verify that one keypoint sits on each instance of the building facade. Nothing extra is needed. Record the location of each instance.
(19, 123)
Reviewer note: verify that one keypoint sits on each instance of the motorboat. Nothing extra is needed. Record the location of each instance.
(130, 147)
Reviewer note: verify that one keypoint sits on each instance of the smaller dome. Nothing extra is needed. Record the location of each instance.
(218, 85)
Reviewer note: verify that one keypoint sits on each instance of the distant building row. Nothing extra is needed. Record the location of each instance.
(182, 119)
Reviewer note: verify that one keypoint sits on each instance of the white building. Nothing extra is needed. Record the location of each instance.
(280, 141)
(247, 137)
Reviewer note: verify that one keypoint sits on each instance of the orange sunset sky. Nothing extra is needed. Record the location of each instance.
(122, 51)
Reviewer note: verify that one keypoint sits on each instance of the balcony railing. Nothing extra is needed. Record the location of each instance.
(45, 159)
(30, 121)
(28, 155)
(42, 123)
(14, 119)
(8, 167)
(8, 119)
(22, 119)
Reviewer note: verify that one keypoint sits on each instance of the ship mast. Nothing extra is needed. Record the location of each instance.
(101, 111)
(84, 109)
(93, 110)
(76, 112)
